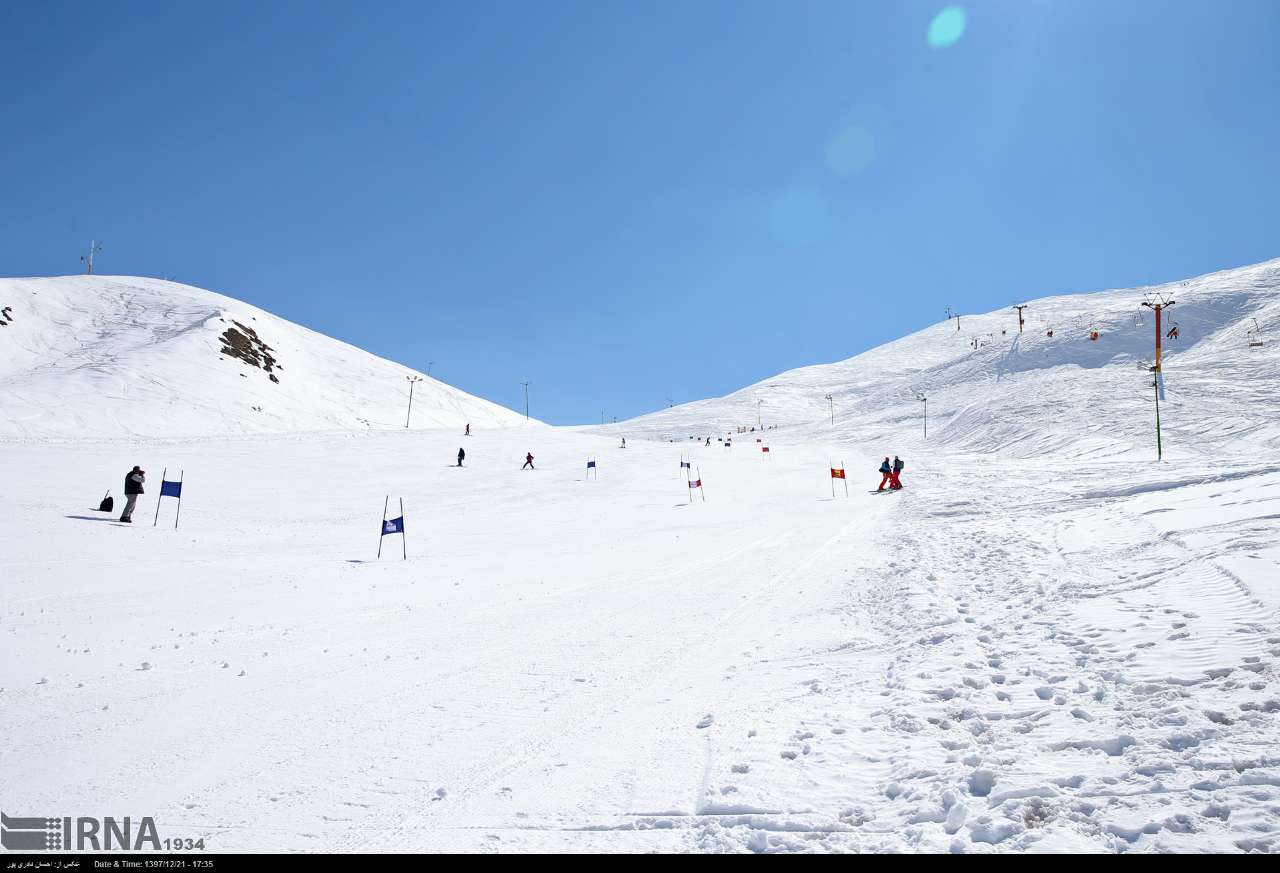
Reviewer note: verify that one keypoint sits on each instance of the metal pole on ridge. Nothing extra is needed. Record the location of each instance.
(94, 248)
(404, 537)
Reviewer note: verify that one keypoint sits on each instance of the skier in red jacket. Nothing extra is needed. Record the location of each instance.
(528, 461)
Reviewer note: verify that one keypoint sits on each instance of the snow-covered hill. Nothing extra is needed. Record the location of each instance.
(1019, 651)
(100, 356)
(1032, 394)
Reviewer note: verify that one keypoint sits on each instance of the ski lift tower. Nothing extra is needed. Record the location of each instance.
(1158, 303)
(94, 248)
(1021, 322)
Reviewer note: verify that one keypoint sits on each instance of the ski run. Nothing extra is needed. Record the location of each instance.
(1046, 641)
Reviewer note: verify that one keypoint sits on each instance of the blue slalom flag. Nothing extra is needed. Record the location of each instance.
(590, 464)
(170, 489)
(393, 526)
(685, 465)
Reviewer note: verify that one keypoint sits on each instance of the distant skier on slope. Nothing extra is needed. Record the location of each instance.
(887, 474)
(897, 471)
(468, 431)
(461, 455)
(528, 461)
(132, 488)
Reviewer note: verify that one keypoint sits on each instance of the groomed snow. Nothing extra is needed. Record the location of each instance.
(1046, 642)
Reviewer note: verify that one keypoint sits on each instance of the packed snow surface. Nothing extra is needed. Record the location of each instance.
(1047, 641)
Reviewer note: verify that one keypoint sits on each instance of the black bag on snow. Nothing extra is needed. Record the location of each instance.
(107, 504)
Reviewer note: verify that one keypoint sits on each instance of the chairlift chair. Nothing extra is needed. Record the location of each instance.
(1254, 335)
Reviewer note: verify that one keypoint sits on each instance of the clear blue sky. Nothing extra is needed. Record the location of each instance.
(630, 201)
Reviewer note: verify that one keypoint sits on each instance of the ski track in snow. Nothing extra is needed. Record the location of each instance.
(1046, 642)
(570, 665)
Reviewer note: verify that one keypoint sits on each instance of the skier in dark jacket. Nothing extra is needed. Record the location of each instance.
(887, 472)
(132, 488)
(528, 461)
(897, 471)
(461, 455)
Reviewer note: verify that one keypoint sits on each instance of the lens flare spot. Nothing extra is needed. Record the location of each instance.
(947, 27)
(851, 151)
(799, 217)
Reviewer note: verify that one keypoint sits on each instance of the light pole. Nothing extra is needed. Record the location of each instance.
(925, 400)
(526, 400)
(759, 425)
(832, 402)
(413, 380)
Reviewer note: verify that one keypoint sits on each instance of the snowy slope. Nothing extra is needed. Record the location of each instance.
(1032, 395)
(114, 356)
(1017, 652)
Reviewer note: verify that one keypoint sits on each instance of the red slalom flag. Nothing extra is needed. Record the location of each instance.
(764, 448)
(695, 483)
(837, 472)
